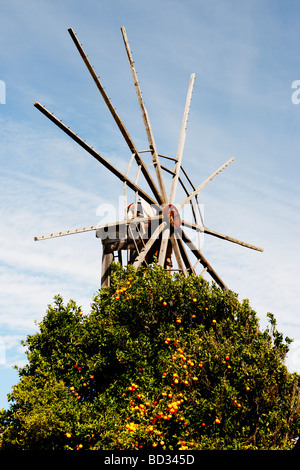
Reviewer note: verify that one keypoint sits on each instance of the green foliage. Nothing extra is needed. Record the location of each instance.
(160, 361)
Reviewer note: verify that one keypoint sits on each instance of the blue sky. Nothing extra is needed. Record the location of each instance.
(245, 56)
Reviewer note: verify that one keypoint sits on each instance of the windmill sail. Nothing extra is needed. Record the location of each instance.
(152, 226)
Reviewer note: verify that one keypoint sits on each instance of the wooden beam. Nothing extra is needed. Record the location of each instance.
(219, 235)
(116, 225)
(184, 255)
(117, 118)
(68, 232)
(202, 185)
(177, 253)
(141, 256)
(181, 141)
(95, 154)
(107, 259)
(183, 187)
(146, 119)
(164, 245)
(196, 197)
(203, 261)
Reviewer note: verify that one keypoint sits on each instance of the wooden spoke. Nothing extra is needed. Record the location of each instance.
(117, 119)
(154, 232)
(178, 255)
(95, 154)
(76, 230)
(181, 141)
(202, 185)
(203, 261)
(146, 119)
(141, 257)
(219, 235)
(184, 255)
(164, 246)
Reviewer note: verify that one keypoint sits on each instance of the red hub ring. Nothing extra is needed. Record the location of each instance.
(171, 213)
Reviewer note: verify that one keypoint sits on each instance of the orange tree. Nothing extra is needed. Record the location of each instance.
(161, 362)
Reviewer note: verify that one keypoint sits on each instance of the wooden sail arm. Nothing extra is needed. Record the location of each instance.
(181, 141)
(117, 118)
(96, 155)
(184, 256)
(144, 251)
(178, 254)
(146, 119)
(202, 185)
(116, 225)
(219, 235)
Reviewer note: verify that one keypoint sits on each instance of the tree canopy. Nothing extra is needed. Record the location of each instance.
(160, 361)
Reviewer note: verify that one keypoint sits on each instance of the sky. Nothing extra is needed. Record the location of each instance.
(245, 105)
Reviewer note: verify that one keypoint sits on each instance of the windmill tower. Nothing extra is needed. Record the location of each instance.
(152, 224)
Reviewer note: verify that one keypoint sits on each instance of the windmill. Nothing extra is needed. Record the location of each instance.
(152, 225)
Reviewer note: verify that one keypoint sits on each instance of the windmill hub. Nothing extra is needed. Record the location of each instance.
(171, 215)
